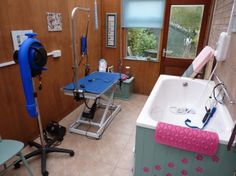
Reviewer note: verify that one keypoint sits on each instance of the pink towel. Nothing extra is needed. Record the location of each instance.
(203, 57)
(194, 140)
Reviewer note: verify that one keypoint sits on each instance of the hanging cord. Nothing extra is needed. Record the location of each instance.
(202, 95)
(213, 71)
(209, 112)
(214, 92)
(86, 104)
(40, 82)
(84, 42)
(87, 69)
(120, 70)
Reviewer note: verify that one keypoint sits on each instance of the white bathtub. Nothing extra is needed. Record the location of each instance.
(170, 93)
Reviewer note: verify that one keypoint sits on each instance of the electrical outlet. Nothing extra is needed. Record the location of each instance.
(56, 53)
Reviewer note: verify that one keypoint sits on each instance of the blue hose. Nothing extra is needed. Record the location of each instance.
(212, 112)
(26, 57)
(83, 42)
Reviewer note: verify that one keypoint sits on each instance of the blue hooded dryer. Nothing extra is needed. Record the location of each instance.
(31, 57)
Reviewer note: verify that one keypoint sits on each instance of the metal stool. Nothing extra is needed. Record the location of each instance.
(9, 149)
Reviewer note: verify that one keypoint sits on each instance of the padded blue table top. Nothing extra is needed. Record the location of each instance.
(96, 82)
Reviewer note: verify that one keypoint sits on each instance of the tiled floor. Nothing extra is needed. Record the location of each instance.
(112, 155)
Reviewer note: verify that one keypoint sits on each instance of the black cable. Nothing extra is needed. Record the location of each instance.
(120, 70)
(80, 60)
(87, 104)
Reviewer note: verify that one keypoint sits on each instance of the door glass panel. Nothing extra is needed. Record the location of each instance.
(184, 30)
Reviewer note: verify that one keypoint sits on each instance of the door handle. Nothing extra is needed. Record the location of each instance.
(164, 52)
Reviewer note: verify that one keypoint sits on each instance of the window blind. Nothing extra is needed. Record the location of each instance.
(143, 13)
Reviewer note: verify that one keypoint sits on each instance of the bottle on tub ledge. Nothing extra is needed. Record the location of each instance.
(128, 72)
(102, 65)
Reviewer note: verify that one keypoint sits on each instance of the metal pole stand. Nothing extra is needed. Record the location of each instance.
(43, 149)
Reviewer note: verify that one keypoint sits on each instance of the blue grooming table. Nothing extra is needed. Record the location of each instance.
(95, 87)
(95, 83)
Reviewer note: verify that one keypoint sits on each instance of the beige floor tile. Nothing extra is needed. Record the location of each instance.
(91, 168)
(112, 155)
(114, 140)
(122, 172)
(126, 160)
(107, 150)
(131, 142)
(122, 126)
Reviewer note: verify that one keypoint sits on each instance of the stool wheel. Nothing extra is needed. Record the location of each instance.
(17, 165)
(45, 173)
(30, 144)
(72, 153)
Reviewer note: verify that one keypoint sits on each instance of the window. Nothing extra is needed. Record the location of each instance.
(184, 31)
(142, 43)
(142, 21)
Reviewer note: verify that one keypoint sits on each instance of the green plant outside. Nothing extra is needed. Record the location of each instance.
(141, 40)
(184, 31)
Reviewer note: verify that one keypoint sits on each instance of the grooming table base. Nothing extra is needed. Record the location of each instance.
(99, 86)
(95, 128)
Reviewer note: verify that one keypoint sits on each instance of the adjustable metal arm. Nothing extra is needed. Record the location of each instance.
(74, 49)
(226, 94)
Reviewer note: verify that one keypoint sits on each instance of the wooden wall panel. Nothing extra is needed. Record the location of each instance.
(112, 55)
(146, 73)
(54, 105)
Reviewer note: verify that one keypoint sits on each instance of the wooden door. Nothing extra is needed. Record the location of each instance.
(184, 33)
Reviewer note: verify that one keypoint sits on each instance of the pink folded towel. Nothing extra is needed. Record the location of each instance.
(194, 140)
(203, 57)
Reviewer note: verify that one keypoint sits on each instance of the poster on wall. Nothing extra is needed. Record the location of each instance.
(111, 22)
(18, 36)
(54, 21)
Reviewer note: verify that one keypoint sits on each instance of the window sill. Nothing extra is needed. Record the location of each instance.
(142, 59)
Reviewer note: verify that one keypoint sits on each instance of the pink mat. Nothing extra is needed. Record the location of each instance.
(194, 140)
(203, 57)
